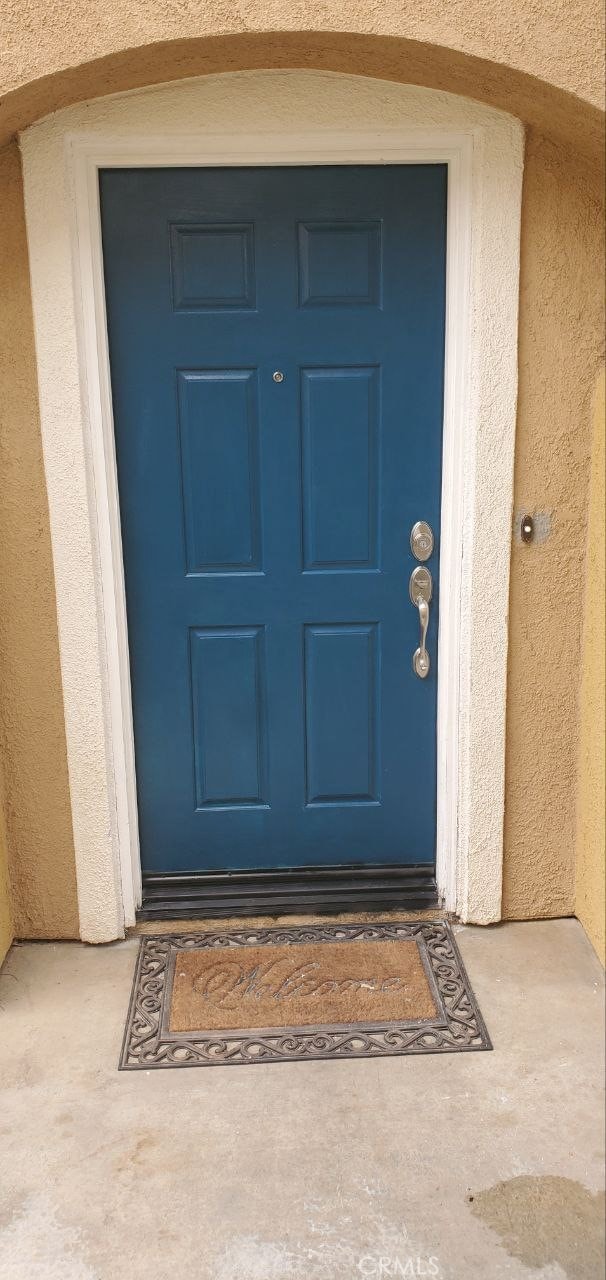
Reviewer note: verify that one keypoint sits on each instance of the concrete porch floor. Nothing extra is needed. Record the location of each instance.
(463, 1165)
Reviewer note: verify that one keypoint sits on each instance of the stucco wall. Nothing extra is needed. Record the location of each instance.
(555, 42)
(554, 82)
(6, 914)
(539, 59)
(590, 869)
(38, 821)
(561, 325)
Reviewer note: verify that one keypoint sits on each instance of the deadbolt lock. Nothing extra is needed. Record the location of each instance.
(421, 540)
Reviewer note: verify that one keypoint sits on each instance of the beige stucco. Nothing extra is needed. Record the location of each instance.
(561, 329)
(6, 912)
(540, 61)
(38, 824)
(590, 905)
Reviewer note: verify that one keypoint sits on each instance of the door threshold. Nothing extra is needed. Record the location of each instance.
(309, 890)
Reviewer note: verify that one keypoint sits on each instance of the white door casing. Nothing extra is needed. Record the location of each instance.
(278, 117)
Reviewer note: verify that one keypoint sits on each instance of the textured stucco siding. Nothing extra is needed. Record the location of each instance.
(6, 911)
(32, 734)
(590, 904)
(561, 328)
(553, 41)
(540, 59)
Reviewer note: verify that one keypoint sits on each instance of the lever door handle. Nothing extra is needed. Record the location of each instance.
(420, 588)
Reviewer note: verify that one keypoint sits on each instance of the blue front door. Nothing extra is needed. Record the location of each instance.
(277, 347)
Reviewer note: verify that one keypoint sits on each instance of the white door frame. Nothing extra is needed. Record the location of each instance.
(483, 151)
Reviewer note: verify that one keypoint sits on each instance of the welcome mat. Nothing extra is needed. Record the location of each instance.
(293, 994)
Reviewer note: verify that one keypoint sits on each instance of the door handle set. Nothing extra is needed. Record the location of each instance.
(420, 589)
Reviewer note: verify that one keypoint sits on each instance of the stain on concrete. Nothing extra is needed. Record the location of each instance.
(138, 1151)
(544, 1220)
(35, 1243)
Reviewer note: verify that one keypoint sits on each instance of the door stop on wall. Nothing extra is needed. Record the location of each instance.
(527, 529)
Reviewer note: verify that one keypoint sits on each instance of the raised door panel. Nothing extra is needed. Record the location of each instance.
(341, 713)
(229, 716)
(339, 264)
(218, 432)
(212, 267)
(340, 473)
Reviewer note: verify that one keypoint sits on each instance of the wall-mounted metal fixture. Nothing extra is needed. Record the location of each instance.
(527, 529)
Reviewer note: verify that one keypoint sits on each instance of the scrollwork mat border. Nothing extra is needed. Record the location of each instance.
(460, 1026)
